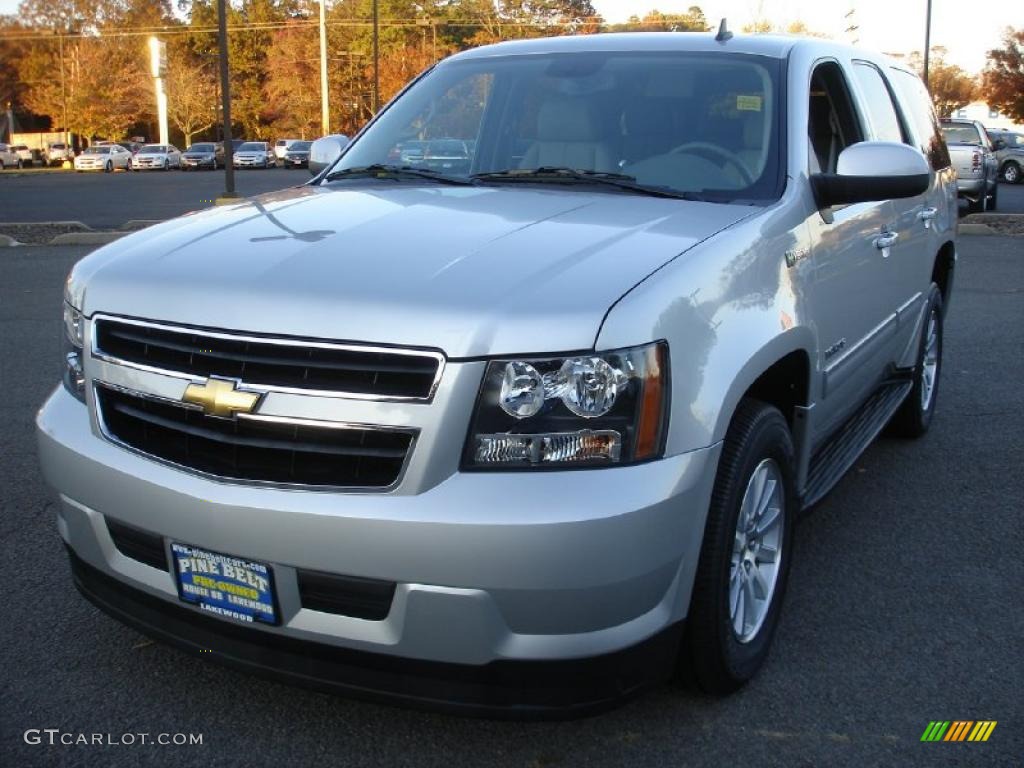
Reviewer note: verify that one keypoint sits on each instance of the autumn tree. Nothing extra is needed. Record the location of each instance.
(292, 87)
(950, 86)
(191, 93)
(656, 21)
(1003, 79)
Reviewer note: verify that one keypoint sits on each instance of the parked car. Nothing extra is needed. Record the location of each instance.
(297, 155)
(25, 153)
(106, 157)
(448, 155)
(492, 438)
(57, 152)
(255, 154)
(205, 154)
(156, 156)
(132, 146)
(1009, 148)
(977, 169)
(9, 158)
(281, 147)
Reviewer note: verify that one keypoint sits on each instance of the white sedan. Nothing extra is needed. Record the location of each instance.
(254, 154)
(162, 156)
(103, 157)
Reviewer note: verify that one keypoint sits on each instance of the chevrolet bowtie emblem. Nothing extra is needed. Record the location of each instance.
(218, 397)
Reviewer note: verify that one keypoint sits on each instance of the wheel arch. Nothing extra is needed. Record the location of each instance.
(943, 272)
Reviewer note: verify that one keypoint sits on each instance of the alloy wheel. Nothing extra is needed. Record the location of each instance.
(756, 553)
(930, 361)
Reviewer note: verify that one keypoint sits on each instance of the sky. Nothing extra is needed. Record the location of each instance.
(891, 26)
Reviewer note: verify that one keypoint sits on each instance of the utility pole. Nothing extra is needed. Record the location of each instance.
(63, 95)
(225, 95)
(325, 110)
(376, 58)
(927, 41)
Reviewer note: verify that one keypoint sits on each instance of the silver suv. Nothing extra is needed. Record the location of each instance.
(529, 432)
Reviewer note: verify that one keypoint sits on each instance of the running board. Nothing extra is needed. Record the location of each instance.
(846, 444)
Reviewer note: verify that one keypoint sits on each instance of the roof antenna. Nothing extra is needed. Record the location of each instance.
(724, 33)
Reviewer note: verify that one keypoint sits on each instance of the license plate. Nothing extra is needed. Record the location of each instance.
(223, 585)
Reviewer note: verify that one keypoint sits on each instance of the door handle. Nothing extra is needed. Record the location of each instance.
(885, 241)
(926, 215)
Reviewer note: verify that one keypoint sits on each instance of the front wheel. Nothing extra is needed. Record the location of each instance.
(109, 167)
(1011, 173)
(915, 414)
(744, 560)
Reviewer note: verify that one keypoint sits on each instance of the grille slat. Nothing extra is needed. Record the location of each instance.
(251, 449)
(292, 365)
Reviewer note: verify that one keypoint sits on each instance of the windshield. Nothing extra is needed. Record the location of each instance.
(201, 148)
(961, 134)
(253, 146)
(155, 149)
(300, 146)
(97, 151)
(705, 124)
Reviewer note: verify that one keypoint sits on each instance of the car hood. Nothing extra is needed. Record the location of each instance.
(468, 270)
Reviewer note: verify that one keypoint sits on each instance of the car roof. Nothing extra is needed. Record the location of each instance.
(776, 46)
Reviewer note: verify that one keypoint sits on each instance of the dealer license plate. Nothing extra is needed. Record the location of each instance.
(224, 585)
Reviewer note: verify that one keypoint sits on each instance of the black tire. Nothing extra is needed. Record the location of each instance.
(1, 165)
(21, 163)
(913, 417)
(1010, 173)
(109, 167)
(977, 206)
(712, 653)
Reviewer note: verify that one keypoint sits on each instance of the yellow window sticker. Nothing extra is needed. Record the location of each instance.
(746, 103)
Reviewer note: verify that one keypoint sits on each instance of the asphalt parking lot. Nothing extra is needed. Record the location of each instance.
(903, 607)
(107, 200)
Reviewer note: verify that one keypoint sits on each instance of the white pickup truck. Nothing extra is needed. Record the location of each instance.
(977, 168)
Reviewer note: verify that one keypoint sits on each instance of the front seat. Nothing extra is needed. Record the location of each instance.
(568, 137)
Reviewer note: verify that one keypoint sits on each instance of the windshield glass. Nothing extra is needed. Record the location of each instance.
(690, 123)
(97, 151)
(253, 146)
(300, 146)
(201, 148)
(155, 149)
(961, 134)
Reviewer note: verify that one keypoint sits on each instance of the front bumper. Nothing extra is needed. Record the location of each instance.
(195, 162)
(490, 567)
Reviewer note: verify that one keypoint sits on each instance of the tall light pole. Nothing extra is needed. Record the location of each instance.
(225, 95)
(63, 95)
(158, 66)
(376, 58)
(325, 110)
(927, 41)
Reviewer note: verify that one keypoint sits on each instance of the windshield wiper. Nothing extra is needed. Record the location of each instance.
(395, 173)
(582, 176)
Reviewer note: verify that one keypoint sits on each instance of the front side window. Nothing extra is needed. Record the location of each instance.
(679, 123)
(833, 123)
(879, 104)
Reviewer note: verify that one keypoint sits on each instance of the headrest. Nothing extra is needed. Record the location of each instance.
(566, 120)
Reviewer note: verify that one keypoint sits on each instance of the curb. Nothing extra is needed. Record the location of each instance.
(86, 238)
(977, 229)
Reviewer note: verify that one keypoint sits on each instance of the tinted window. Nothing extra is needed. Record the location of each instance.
(832, 124)
(253, 146)
(879, 103)
(921, 114)
(201, 148)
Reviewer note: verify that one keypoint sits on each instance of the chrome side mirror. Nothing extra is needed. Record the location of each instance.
(873, 170)
(325, 151)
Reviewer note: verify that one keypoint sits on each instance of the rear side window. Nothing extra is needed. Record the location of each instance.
(922, 116)
(879, 103)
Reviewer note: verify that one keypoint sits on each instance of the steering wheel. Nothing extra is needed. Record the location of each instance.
(703, 147)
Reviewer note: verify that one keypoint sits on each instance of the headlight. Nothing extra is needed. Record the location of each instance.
(72, 339)
(595, 409)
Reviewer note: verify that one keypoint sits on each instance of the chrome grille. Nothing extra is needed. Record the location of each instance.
(254, 448)
(310, 366)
